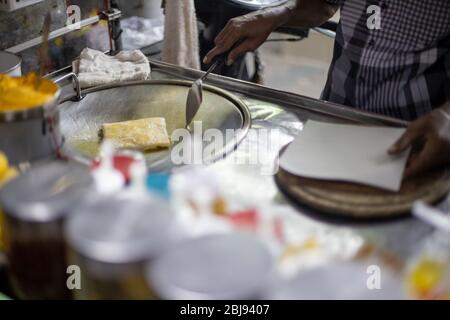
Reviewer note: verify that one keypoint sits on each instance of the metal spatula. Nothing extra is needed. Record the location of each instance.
(195, 95)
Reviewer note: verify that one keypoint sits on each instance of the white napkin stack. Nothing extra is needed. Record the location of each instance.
(95, 68)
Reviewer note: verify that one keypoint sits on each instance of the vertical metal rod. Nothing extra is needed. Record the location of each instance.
(116, 30)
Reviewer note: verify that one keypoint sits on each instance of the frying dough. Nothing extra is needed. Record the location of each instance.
(144, 134)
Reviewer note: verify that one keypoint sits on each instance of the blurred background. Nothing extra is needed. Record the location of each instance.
(296, 66)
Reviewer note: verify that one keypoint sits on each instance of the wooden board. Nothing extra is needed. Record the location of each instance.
(363, 202)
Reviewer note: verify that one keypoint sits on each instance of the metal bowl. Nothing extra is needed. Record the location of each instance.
(32, 134)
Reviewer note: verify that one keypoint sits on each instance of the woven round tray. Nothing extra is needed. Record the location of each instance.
(363, 202)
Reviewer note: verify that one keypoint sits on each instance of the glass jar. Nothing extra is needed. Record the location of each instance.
(111, 240)
(35, 205)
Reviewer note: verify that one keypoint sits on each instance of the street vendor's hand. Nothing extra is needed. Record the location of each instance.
(250, 31)
(429, 138)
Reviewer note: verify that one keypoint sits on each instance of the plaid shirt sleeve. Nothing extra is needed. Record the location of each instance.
(401, 69)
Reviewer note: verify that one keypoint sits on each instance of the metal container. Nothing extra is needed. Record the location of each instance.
(217, 267)
(10, 64)
(112, 240)
(82, 121)
(32, 134)
(35, 205)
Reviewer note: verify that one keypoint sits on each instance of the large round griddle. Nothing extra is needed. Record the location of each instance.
(355, 201)
(82, 120)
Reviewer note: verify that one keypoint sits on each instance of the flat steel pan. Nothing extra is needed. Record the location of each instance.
(82, 120)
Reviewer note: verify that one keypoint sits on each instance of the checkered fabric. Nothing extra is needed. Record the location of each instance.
(400, 70)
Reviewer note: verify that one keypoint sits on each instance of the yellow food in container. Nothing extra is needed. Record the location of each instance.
(428, 279)
(24, 92)
(6, 174)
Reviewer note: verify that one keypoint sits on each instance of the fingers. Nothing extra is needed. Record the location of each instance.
(413, 132)
(237, 52)
(422, 162)
(220, 48)
(227, 30)
(213, 53)
(224, 41)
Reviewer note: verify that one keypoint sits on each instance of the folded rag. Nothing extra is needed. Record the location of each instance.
(181, 34)
(95, 68)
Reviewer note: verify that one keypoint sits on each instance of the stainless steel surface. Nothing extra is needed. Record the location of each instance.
(76, 84)
(217, 267)
(111, 15)
(287, 100)
(81, 121)
(10, 64)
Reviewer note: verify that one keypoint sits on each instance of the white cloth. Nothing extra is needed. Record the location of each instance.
(181, 34)
(96, 68)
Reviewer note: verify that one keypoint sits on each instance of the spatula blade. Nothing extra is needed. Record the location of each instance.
(194, 101)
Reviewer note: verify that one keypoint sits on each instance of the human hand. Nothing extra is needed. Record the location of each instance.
(429, 137)
(250, 31)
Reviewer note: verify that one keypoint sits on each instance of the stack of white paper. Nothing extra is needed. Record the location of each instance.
(346, 153)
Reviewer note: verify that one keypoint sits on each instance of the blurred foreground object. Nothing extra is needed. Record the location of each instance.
(35, 204)
(112, 239)
(6, 171)
(216, 267)
(428, 274)
(6, 174)
(22, 93)
(345, 280)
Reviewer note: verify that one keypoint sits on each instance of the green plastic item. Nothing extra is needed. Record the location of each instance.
(3, 297)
